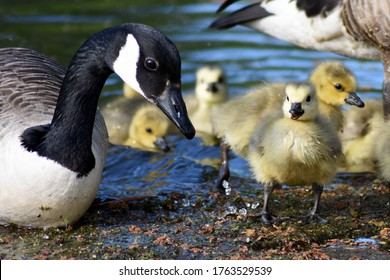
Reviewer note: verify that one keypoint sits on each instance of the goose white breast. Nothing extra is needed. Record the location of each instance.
(309, 24)
(354, 28)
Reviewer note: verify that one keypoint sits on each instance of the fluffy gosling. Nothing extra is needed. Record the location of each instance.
(335, 86)
(234, 121)
(295, 146)
(132, 122)
(359, 136)
(210, 91)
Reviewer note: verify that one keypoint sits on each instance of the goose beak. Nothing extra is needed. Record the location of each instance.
(162, 144)
(353, 99)
(212, 87)
(296, 111)
(172, 104)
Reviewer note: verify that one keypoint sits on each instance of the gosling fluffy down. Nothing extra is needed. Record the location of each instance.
(235, 120)
(359, 137)
(210, 91)
(295, 146)
(136, 123)
(335, 86)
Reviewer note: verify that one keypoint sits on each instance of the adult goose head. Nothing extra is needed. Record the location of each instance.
(52, 137)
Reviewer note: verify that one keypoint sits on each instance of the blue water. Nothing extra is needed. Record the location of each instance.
(248, 57)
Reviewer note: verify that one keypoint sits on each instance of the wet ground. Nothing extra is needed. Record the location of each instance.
(206, 225)
(161, 206)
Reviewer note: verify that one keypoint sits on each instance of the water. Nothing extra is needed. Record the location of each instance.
(247, 57)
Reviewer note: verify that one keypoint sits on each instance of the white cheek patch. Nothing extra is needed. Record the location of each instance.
(125, 65)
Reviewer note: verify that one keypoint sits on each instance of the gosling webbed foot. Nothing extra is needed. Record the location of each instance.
(307, 219)
(268, 218)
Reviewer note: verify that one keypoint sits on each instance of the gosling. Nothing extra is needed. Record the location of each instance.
(335, 86)
(210, 91)
(234, 121)
(359, 136)
(295, 146)
(133, 122)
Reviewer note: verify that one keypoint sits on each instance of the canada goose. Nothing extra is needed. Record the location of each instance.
(235, 120)
(368, 21)
(359, 136)
(53, 139)
(321, 22)
(134, 122)
(210, 91)
(295, 146)
(354, 28)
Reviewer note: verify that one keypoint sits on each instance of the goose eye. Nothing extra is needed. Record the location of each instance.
(151, 64)
(308, 98)
(148, 130)
(338, 86)
(288, 99)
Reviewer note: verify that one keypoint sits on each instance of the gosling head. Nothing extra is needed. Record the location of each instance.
(335, 84)
(301, 102)
(210, 85)
(148, 129)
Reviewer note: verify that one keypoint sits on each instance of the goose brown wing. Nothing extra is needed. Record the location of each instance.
(29, 87)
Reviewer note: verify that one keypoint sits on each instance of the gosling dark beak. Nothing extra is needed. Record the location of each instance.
(162, 144)
(172, 104)
(296, 111)
(212, 87)
(355, 100)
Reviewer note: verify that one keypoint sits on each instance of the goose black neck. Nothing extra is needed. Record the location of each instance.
(69, 138)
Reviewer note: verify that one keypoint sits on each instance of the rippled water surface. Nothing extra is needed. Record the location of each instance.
(247, 57)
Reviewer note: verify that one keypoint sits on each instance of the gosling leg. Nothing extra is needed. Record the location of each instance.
(317, 191)
(265, 214)
(224, 172)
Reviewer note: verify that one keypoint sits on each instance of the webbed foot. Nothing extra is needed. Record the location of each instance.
(268, 218)
(313, 217)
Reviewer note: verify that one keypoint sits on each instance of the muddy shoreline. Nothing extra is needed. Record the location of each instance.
(206, 225)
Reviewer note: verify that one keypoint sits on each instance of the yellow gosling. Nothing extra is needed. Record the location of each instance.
(359, 136)
(234, 121)
(335, 86)
(295, 146)
(134, 123)
(210, 91)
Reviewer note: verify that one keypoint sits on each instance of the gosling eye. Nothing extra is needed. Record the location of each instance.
(221, 80)
(338, 86)
(151, 64)
(288, 99)
(308, 99)
(148, 130)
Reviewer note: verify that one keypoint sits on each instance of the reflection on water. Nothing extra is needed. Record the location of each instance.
(247, 57)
